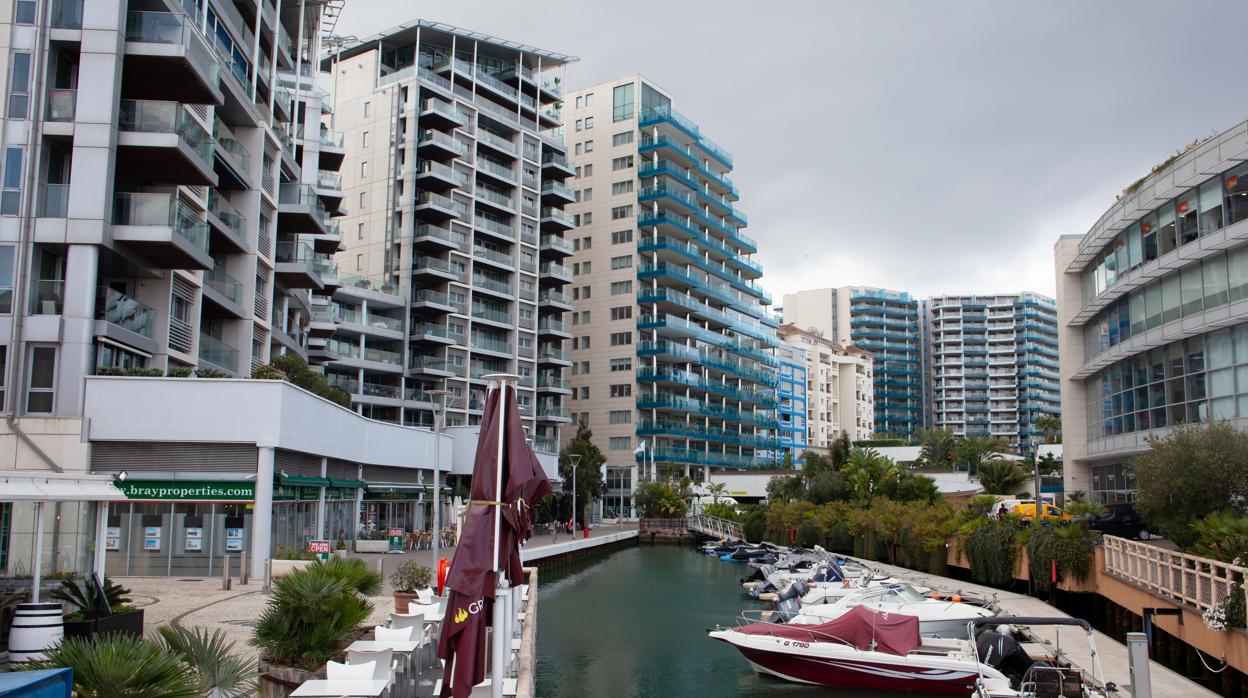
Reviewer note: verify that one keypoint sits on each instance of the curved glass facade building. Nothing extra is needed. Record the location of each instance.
(1152, 313)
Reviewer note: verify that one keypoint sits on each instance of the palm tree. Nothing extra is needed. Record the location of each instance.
(222, 673)
(120, 665)
(937, 449)
(1052, 426)
(864, 469)
(1000, 476)
(716, 490)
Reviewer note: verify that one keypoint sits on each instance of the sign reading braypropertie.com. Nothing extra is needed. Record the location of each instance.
(181, 490)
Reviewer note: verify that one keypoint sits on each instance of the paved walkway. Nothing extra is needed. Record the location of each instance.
(1072, 642)
(202, 603)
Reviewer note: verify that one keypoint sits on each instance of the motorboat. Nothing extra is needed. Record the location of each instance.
(937, 617)
(861, 649)
(1033, 677)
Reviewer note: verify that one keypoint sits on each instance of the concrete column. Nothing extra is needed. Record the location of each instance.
(77, 329)
(94, 151)
(37, 569)
(320, 506)
(262, 513)
(359, 500)
(101, 535)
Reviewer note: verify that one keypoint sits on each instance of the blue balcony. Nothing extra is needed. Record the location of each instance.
(756, 373)
(674, 428)
(722, 460)
(746, 326)
(654, 116)
(662, 400)
(765, 398)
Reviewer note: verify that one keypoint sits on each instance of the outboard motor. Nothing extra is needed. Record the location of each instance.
(789, 602)
(759, 574)
(1003, 652)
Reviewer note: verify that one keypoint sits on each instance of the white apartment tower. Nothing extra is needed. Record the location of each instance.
(672, 342)
(454, 176)
(839, 387)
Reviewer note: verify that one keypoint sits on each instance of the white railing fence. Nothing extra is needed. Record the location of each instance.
(714, 526)
(1196, 581)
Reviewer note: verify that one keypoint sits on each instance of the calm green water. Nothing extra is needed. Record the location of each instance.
(634, 626)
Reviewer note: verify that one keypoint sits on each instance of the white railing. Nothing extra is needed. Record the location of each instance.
(1196, 581)
(715, 527)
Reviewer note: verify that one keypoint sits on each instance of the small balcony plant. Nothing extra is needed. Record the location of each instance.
(408, 581)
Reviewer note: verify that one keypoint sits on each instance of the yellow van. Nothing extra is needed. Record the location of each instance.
(1027, 510)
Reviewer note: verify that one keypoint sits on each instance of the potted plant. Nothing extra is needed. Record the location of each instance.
(98, 609)
(408, 580)
(372, 540)
(340, 548)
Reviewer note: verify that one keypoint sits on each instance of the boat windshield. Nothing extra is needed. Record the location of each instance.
(904, 594)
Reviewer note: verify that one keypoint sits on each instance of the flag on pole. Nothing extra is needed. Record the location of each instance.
(640, 448)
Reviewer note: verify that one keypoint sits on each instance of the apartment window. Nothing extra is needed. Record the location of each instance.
(620, 339)
(619, 212)
(359, 231)
(364, 140)
(363, 169)
(619, 443)
(359, 262)
(368, 107)
(579, 148)
(6, 280)
(576, 318)
(4, 366)
(587, 194)
(622, 163)
(587, 242)
(584, 392)
(11, 195)
(622, 138)
(41, 382)
(589, 170)
(578, 171)
(580, 124)
(620, 417)
(589, 99)
(619, 288)
(622, 262)
(580, 102)
(624, 187)
(581, 268)
(587, 218)
(585, 292)
(622, 390)
(24, 12)
(19, 86)
(584, 317)
(361, 201)
(622, 102)
(589, 146)
(620, 237)
(585, 367)
(589, 122)
(576, 294)
(623, 312)
(622, 364)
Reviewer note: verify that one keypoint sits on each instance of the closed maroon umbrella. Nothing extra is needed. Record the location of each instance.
(479, 556)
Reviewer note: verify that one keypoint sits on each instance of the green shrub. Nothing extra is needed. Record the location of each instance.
(291, 553)
(991, 548)
(179, 372)
(296, 371)
(89, 604)
(108, 371)
(1222, 536)
(268, 372)
(410, 577)
(117, 666)
(220, 671)
(143, 372)
(211, 373)
(313, 610)
(1070, 545)
(808, 534)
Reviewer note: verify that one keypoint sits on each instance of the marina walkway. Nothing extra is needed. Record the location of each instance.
(1073, 644)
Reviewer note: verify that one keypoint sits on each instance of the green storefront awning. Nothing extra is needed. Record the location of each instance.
(346, 484)
(302, 481)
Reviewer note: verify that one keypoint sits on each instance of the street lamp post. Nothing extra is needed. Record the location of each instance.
(575, 460)
(439, 406)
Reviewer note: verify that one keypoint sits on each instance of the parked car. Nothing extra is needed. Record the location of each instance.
(1120, 520)
(1027, 510)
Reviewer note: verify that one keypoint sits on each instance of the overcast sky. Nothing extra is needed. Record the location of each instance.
(934, 147)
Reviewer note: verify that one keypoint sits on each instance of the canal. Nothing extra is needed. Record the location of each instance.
(634, 626)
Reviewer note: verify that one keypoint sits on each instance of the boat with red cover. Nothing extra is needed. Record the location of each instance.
(861, 650)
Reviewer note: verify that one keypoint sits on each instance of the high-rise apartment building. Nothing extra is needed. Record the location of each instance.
(993, 365)
(454, 176)
(1153, 324)
(839, 392)
(672, 340)
(880, 321)
(791, 412)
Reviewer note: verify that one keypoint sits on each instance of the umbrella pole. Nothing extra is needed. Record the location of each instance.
(500, 633)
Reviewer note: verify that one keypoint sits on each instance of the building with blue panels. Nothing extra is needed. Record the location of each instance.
(791, 412)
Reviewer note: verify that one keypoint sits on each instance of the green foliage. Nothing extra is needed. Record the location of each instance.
(108, 371)
(720, 510)
(1051, 424)
(754, 523)
(879, 442)
(980, 504)
(716, 490)
(122, 666)
(411, 577)
(589, 482)
(1000, 476)
(784, 488)
(971, 452)
(268, 372)
(211, 373)
(663, 498)
(1049, 465)
(1222, 536)
(1084, 510)
(220, 671)
(89, 603)
(143, 372)
(178, 372)
(313, 610)
(298, 373)
(865, 472)
(991, 548)
(1192, 472)
(1069, 544)
(937, 448)
(291, 553)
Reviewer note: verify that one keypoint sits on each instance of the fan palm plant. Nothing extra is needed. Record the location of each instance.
(222, 674)
(86, 597)
(999, 476)
(313, 610)
(121, 666)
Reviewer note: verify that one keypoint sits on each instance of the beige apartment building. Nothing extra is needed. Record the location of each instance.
(839, 387)
(672, 341)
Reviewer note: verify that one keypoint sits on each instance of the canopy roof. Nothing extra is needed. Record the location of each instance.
(49, 487)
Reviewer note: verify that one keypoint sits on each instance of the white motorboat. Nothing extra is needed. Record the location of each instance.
(937, 617)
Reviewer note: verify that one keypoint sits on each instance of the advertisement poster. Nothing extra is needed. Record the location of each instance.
(233, 540)
(151, 538)
(112, 538)
(396, 536)
(194, 540)
(319, 548)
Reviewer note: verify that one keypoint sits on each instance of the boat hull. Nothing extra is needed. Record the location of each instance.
(861, 675)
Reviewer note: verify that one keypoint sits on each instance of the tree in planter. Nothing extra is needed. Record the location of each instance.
(222, 673)
(1194, 471)
(1000, 476)
(589, 484)
(89, 603)
(112, 666)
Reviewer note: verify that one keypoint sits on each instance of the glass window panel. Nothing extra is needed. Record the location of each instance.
(1148, 234)
(1211, 205)
(1218, 350)
(1152, 300)
(1170, 298)
(1193, 290)
(1137, 313)
(1166, 229)
(1239, 336)
(1241, 405)
(1187, 208)
(1214, 272)
(1241, 379)
(1134, 247)
(1237, 274)
(1236, 182)
(1221, 382)
(12, 168)
(1222, 408)
(1195, 354)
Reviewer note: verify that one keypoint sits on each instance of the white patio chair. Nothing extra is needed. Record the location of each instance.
(383, 660)
(381, 633)
(350, 672)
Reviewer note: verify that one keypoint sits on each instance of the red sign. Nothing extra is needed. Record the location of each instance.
(396, 532)
(318, 546)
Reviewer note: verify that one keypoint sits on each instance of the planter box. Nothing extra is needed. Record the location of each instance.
(280, 681)
(125, 623)
(281, 568)
(372, 546)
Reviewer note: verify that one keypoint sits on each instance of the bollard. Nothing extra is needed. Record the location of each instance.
(1137, 657)
(225, 573)
(268, 575)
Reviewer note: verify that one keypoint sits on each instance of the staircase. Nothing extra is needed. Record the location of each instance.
(714, 527)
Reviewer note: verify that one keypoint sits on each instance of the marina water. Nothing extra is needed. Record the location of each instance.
(634, 626)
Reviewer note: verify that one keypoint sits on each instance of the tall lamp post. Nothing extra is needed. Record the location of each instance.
(575, 460)
(438, 408)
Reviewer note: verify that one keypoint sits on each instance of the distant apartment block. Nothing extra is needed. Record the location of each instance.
(791, 412)
(839, 393)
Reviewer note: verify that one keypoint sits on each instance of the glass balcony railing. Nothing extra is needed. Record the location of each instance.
(558, 243)
(504, 258)
(61, 104)
(432, 137)
(491, 344)
(429, 198)
(548, 325)
(431, 330)
(54, 201)
(439, 265)
(496, 169)
(552, 85)
(221, 282)
(304, 195)
(147, 116)
(292, 252)
(217, 352)
(549, 354)
(437, 168)
(558, 188)
(558, 216)
(498, 285)
(450, 237)
(329, 180)
(556, 159)
(331, 139)
(176, 29)
(439, 107)
(548, 381)
(496, 198)
(497, 141)
(552, 411)
(221, 207)
(549, 296)
(125, 312)
(161, 210)
(47, 296)
(234, 150)
(495, 226)
(555, 270)
(492, 314)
